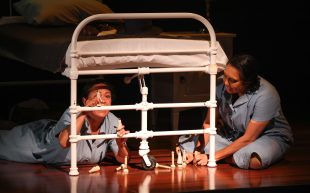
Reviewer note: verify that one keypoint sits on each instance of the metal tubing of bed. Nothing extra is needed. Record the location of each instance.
(144, 106)
(144, 70)
(212, 161)
(73, 135)
(166, 52)
(144, 134)
(142, 16)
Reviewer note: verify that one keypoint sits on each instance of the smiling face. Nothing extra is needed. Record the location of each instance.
(99, 95)
(232, 81)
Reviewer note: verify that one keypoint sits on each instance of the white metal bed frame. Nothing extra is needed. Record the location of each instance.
(144, 105)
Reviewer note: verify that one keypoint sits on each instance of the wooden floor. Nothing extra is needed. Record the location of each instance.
(291, 174)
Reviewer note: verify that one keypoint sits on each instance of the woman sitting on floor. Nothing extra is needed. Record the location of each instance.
(254, 133)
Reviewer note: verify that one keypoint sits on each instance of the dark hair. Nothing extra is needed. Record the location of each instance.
(247, 65)
(90, 86)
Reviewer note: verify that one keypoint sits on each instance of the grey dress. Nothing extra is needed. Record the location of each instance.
(262, 105)
(37, 142)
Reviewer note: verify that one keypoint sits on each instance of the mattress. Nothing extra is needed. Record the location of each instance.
(143, 52)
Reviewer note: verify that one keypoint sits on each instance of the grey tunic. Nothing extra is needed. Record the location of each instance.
(37, 142)
(262, 105)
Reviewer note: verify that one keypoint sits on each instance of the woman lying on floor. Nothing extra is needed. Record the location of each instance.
(47, 141)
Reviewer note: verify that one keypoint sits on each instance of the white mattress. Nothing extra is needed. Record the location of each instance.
(144, 52)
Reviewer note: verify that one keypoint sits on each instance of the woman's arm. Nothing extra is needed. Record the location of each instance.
(122, 152)
(121, 143)
(253, 131)
(64, 134)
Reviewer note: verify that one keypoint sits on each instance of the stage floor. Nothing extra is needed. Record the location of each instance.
(291, 174)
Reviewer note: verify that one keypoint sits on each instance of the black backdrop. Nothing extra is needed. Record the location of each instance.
(275, 32)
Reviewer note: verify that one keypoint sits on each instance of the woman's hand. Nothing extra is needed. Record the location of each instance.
(189, 156)
(120, 131)
(200, 159)
(91, 102)
(121, 143)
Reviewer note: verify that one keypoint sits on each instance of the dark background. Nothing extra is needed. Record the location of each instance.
(275, 32)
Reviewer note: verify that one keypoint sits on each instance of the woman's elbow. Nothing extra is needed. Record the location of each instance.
(64, 144)
(205, 125)
(63, 140)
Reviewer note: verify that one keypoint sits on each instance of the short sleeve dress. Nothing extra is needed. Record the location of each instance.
(262, 105)
(37, 142)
